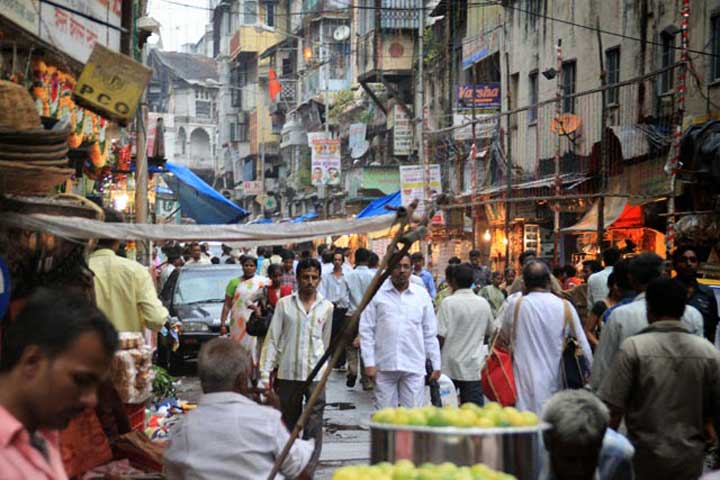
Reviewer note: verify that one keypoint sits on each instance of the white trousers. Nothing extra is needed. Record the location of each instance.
(399, 388)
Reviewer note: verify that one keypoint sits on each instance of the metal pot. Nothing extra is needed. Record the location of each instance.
(513, 450)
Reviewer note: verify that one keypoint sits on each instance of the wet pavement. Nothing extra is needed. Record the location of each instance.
(347, 413)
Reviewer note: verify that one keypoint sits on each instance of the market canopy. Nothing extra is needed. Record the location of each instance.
(377, 207)
(200, 201)
(240, 235)
(618, 213)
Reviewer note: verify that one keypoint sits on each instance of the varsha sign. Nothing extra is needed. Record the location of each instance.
(484, 96)
(111, 84)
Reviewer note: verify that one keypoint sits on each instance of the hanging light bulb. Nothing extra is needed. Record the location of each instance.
(308, 53)
(505, 241)
(486, 236)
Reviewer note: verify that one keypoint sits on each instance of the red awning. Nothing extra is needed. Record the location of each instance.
(631, 217)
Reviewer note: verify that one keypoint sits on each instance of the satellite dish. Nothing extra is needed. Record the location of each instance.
(566, 124)
(341, 33)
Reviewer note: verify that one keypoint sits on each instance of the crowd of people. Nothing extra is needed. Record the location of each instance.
(642, 336)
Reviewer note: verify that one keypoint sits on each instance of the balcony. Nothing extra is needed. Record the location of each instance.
(395, 59)
(252, 39)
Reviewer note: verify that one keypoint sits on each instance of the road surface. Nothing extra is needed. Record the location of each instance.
(347, 413)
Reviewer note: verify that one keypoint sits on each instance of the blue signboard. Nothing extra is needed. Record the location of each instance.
(4, 288)
(484, 97)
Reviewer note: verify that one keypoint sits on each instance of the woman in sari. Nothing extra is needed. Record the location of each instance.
(241, 297)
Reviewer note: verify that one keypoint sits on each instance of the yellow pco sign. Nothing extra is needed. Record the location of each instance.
(111, 84)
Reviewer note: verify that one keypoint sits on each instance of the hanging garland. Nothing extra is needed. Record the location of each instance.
(52, 91)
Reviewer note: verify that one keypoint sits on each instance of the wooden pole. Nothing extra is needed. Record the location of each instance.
(558, 121)
(508, 164)
(404, 236)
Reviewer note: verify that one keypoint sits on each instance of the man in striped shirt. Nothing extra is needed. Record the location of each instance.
(298, 336)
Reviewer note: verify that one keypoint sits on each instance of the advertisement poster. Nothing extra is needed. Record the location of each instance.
(412, 184)
(485, 126)
(325, 159)
(484, 97)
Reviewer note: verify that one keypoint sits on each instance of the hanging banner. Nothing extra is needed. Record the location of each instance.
(356, 142)
(412, 184)
(484, 97)
(24, 13)
(325, 159)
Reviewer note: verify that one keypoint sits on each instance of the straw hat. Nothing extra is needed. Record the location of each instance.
(19, 111)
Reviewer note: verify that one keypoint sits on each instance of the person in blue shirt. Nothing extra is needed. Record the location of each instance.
(418, 262)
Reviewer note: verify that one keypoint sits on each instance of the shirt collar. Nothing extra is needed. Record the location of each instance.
(640, 297)
(362, 267)
(666, 326)
(464, 291)
(318, 299)
(103, 252)
(388, 286)
(217, 398)
(9, 427)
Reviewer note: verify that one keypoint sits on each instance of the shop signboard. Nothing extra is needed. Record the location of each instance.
(24, 13)
(412, 184)
(484, 97)
(111, 84)
(402, 132)
(76, 35)
(254, 187)
(325, 159)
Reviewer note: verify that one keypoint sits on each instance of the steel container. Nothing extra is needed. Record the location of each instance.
(513, 450)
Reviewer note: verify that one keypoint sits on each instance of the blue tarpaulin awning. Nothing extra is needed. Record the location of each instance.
(302, 218)
(377, 207)
(474, 58)
(200, 201)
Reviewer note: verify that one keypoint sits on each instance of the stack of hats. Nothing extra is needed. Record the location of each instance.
(32, 158)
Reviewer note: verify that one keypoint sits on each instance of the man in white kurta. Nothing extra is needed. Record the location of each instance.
(398, 333)
(538, 337)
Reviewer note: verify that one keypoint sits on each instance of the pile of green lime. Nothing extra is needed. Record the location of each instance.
(469, 415)
(406, 470)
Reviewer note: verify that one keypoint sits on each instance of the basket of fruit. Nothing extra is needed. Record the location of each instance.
(502, 438)
(406, 470)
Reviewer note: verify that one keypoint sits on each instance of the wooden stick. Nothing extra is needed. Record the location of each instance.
(403, 235)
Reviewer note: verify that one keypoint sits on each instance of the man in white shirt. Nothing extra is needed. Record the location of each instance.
(197, 256)
(536, 328)
(357, 282)
(335, 290)
(628, 320)
(229, 435)
(398, 333)
(174, 261)
(464, 320)
(597, 282)
(298, 336)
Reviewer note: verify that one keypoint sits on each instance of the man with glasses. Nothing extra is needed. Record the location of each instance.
(686, 263)
(398, 333)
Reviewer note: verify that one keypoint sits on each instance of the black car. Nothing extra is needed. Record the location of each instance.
(194, 296)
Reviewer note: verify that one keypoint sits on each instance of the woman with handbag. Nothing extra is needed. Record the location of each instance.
(241, 296)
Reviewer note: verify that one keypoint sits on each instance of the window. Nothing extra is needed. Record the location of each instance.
(569, 70)
(286, 66)
(250, 8)
(612, 64)
(715, 48)
(233, 132)
(202, 108)
(533, 89)
(269, 14)
(667, 60)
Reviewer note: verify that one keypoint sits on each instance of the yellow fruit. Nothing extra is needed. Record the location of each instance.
(386, 415)
(483, 422)
(528, 419)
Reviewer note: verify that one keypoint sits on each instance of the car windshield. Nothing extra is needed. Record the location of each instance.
(204, 285)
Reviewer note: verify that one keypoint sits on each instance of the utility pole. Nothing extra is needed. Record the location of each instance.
(603, 146)
(508, 162)
(559, 127)
(420, 111)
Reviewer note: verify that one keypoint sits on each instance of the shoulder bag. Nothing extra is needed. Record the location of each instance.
(574, 365)
(498, 379)
(258, 325)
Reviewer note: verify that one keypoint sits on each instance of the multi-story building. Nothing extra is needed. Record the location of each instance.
(186, 86)
(547, 59)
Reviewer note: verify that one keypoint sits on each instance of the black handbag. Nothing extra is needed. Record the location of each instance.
(575, 368)
(258, 325)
